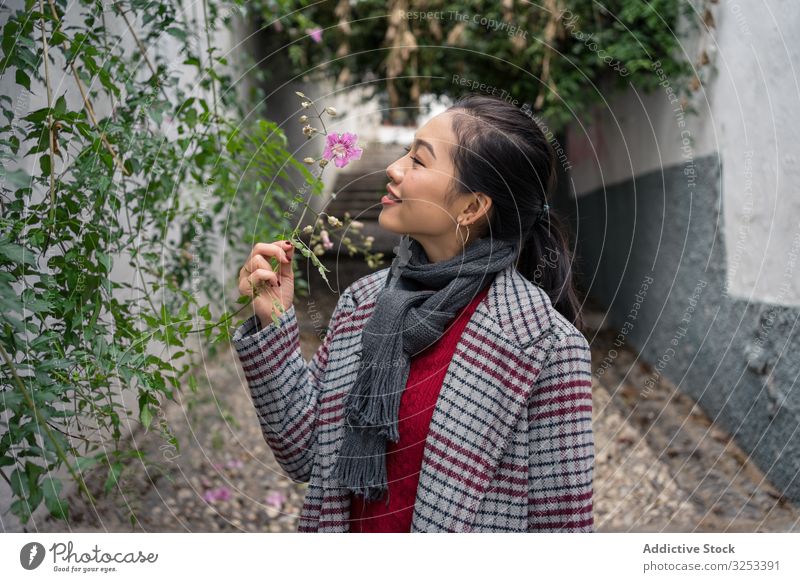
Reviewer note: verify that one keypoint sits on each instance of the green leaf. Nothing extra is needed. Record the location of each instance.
(61, 107)
(85, 463)
(205, 312)
(177, 33)
(19, 178)
(105, 261)
(20, 508)
(57, 38)
(59, 508)
(145, 416)
(113, 476)
(16, 253)
(38, 115)
(44, 164)
(23, 79)
(19, 483)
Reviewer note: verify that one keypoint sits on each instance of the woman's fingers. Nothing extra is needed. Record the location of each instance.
(278, 249)
(258, 262)
(258, 279)
(258, 273)
(262, 252)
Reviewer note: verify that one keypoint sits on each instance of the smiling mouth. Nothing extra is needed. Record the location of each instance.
(390, 195)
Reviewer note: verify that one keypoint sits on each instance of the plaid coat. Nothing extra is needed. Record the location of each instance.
(510, 446)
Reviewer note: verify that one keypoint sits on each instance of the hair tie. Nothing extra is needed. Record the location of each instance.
(543, 212)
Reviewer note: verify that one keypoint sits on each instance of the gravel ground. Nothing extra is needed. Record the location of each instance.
(662, 465)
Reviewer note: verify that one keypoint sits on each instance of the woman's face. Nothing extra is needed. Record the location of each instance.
(421, 179)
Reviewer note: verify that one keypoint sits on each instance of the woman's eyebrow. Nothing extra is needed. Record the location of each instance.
(421, 142)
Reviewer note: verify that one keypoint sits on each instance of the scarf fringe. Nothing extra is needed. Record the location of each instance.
(367, 475)
(374, 400)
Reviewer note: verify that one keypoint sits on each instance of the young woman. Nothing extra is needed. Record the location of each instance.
(452, 391)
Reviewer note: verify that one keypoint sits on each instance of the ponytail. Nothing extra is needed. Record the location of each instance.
(546, 260)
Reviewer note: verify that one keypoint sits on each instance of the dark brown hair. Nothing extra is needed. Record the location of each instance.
(502, 152)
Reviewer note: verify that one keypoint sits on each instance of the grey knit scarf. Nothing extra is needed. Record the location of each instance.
(408, 317)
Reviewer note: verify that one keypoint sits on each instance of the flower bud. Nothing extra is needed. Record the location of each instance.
(308, 229)
(330, 111)
(326, 239)
(309, 160)
(303, 118)
(306, 104)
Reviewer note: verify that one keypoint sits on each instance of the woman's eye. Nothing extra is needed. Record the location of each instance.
(415, 160)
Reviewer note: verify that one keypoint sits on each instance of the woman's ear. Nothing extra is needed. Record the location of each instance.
(478, 208)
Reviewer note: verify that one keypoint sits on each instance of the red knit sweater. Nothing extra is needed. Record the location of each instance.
(404, 458)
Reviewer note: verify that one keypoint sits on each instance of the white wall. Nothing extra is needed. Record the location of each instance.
(748, 114)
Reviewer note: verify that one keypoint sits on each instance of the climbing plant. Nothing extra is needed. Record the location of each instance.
(144, 155)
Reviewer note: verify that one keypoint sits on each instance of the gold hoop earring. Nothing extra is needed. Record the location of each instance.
(458, 224)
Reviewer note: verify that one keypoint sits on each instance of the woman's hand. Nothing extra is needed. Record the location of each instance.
(258, 279)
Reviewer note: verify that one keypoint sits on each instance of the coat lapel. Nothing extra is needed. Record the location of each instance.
(483, 396)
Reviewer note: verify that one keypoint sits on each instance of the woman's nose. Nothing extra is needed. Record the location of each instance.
(395, 171)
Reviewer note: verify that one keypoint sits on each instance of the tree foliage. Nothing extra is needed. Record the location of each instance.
(559, 56)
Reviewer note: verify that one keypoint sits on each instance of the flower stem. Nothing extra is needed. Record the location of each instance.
(50, 122)
(319, 116)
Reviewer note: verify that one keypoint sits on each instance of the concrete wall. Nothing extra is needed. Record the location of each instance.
(689, 228)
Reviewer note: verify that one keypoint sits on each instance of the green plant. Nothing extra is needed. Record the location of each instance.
(155, 183)
(561, 56)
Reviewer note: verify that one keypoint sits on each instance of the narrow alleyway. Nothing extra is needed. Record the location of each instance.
(662, 465)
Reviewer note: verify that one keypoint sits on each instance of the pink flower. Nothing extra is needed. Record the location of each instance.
(275, 499)
(341, 147)
(218, 494)
(234, 464)
(315, 34)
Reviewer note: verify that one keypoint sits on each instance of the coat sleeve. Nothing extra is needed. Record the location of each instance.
(561, 441)
(284, 387)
